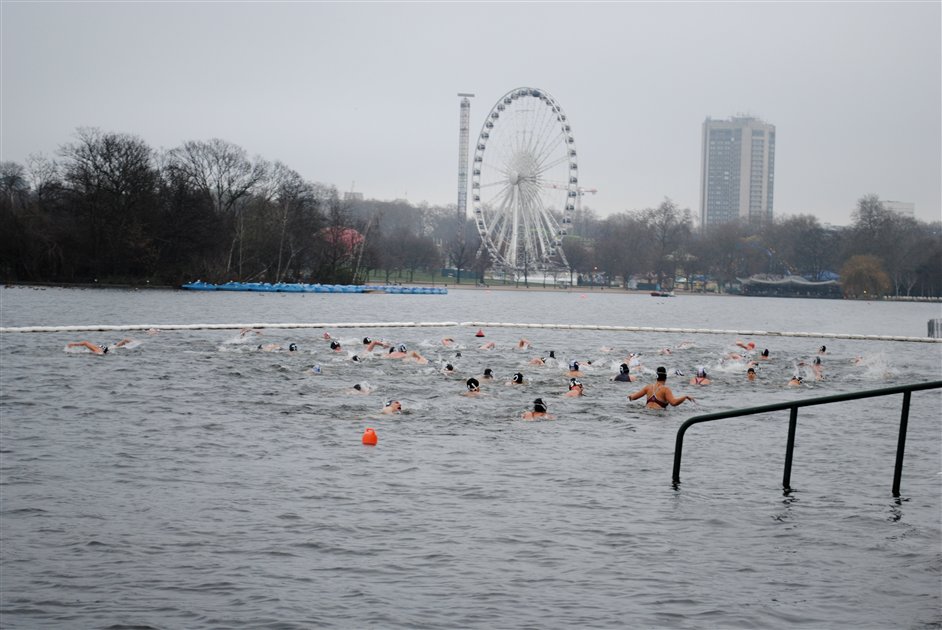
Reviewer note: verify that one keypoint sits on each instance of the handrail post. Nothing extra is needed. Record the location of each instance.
(789, 449)
(901, 444)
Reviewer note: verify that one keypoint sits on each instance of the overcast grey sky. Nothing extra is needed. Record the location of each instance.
(366, 92)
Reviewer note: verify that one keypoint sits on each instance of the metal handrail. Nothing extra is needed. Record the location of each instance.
(793, 406)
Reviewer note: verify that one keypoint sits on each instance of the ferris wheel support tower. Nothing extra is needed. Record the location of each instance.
(464, 125)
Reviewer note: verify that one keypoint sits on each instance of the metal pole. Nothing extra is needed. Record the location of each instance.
(901, 444)
(790, 449)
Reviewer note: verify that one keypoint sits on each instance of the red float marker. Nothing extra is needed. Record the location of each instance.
(479, 333)
(369, 437)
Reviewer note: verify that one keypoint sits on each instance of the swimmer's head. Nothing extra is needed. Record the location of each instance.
(401, 347)
(765, 353)
(473, 385)
(539, 405)
(293, 347)
(366, 340)
(449, 367)
(823, 349)
(334, 345)
(662, 373)
(574, 366)
(518, 378)
(552, 354)
(458, 355)
(104, 349)
(752, 345)
(573, 383)
(356, 358)
(751, 370)
(259, 347)
(623, 368)
(358, 387)
(701, 373)
(394, 405)
(488, 373)
(817, 360)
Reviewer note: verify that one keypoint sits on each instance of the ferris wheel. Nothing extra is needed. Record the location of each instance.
(524, 182)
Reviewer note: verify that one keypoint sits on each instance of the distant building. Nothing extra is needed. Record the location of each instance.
(903, 208)
(737, 171)
(353, 196)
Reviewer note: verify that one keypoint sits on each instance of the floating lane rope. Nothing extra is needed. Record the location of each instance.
(475, 325)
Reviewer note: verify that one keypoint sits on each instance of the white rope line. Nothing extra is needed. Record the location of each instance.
(639, 329)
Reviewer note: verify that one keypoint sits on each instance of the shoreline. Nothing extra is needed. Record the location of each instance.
(476, 287)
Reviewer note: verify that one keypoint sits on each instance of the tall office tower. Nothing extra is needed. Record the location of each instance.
(737, 171)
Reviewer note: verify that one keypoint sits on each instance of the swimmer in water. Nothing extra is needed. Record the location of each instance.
(293, 347)
(576, 389)
(574, 369)
(448, 342)
(751, 374)
(398, 352)
(335, 346)
(448, 370)
(537, 361)
(392, 406)
(517, 379)
(488, 373)
(523, 344)
(764, 356)
(796, 381)
(623, 375)
(412, 355)
(823, 350)
(539, 411)
(474, 387)
(93, 347)
(249, 331)
(269, 347)
(96, 348)
(818, 369)
(490, 345)
(360, 388)
(659, 395)
(749, 347)
(701, 378)
(371, 344)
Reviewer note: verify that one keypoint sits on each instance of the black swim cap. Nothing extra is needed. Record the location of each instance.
(358, 387)
(487, 372)
(662, 374)
(518, 377)
(333, 345)
(458, 354)
(292, 347)
(366, 340)
(552, 354)
(539, 405)
(473, 384)
(623, 368)
(449, 367)
(765, 352)
(356, 358)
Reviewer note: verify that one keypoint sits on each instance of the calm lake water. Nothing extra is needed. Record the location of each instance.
(192, 480)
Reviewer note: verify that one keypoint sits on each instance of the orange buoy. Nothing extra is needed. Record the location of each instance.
(479, 333)
(369, 437)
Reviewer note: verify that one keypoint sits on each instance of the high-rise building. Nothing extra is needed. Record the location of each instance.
(737, 171)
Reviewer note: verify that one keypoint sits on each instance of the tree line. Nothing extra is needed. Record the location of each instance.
(111, 209)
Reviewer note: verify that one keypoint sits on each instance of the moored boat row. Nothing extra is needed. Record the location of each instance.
(284, 287)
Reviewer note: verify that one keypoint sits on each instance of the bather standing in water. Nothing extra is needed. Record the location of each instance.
(659, 395)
